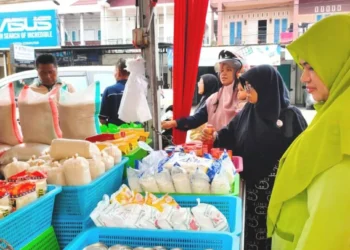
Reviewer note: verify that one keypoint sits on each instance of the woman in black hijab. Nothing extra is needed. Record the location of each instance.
(261, 133)
(208, 84)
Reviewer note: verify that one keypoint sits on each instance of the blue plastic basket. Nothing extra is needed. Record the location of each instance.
(24, 225)
(185, 240)
(78, 202)
(230, 206)
(66, 230)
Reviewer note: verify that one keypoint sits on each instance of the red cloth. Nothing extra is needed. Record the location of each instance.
(189, 27)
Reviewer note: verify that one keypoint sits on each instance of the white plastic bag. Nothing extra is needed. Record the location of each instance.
(209, 218)
(79, 112)
(23, 152)
(97, 167)
(14, 168)
(164, 181)
(181, 180)
(134, 106)
(55, 174)
(220, 183)
(107, 160)
(39, 116)
(228, 167)
(200, 182)
(77, 171)
(133, 180)
(148, 182)
(66, 148)
(10, 132)
(115, 152)
(176, 219)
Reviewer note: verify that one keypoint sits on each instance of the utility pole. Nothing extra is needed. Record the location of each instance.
(149, 55)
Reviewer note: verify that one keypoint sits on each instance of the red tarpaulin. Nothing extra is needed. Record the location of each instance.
(189, 27)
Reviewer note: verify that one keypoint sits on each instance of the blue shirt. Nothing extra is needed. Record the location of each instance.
(111, 99)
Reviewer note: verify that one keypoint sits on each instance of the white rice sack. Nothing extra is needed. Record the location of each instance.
(181, 180)
(200, 182)
(23, 152)
(14, 168)
(66, 148)
(133, 180)
(107, 160)
(39, 116)
(10, 132)
(80, 108)
(77, 171)
(3, 149)
(164, 181)
(209, 218)
(115, 152)
(97, 167)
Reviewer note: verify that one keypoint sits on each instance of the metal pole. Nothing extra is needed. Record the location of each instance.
(5, 64)
(148, 54)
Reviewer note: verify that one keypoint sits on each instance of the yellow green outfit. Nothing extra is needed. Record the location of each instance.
(310, 203)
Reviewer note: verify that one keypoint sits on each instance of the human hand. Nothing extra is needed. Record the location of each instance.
(208, 134)
(169, 124)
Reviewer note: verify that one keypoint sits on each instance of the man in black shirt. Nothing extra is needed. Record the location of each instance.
(113, 94)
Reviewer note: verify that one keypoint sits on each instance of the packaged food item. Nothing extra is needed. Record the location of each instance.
(164, 201)
(14, 168)
(4, 197)
(176, 219)
(148, 182)
(55, 174)
(45, 156)
(23, 152)
(97, 167)
(200, 182)
(137, 198)
(35, 162)
(4, 211)
(181, 180)
(150, 198)
(133, 179)
(148, 217)
(10, 133)
(164, 181)
(67, 148)
(39, 178)
(101, 138)
(210, 142)
(19, 177)
(122, 196)
(22, 194)
(101, 206)
(35, 108)
(220, 183)
(114, 152)
(79, 112)
(96, 246)
(228, 167)
(209, 218)
(107, 160)
(77, 171)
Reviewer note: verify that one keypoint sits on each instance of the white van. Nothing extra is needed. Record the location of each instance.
(79, 76)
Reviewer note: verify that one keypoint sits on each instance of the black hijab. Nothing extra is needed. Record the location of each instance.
(253, 133)
(211, 86)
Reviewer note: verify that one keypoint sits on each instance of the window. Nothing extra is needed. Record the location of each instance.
(262, 31)
(232, 33)
(74, 36)
(106, 79)
(284, 24)
(79, 82)
(239, 33)
(277, 31)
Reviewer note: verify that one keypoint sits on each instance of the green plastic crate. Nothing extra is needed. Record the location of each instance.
(46, 240)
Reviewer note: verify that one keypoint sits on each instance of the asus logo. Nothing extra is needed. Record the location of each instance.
(41, 23)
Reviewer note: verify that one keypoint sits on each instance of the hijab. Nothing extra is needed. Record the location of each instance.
(211, 86)
(326, 141)
(257, 138)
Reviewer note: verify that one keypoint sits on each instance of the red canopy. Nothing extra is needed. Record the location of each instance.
(189, 27)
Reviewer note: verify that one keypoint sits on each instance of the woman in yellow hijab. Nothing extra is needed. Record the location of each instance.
(310, 203)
